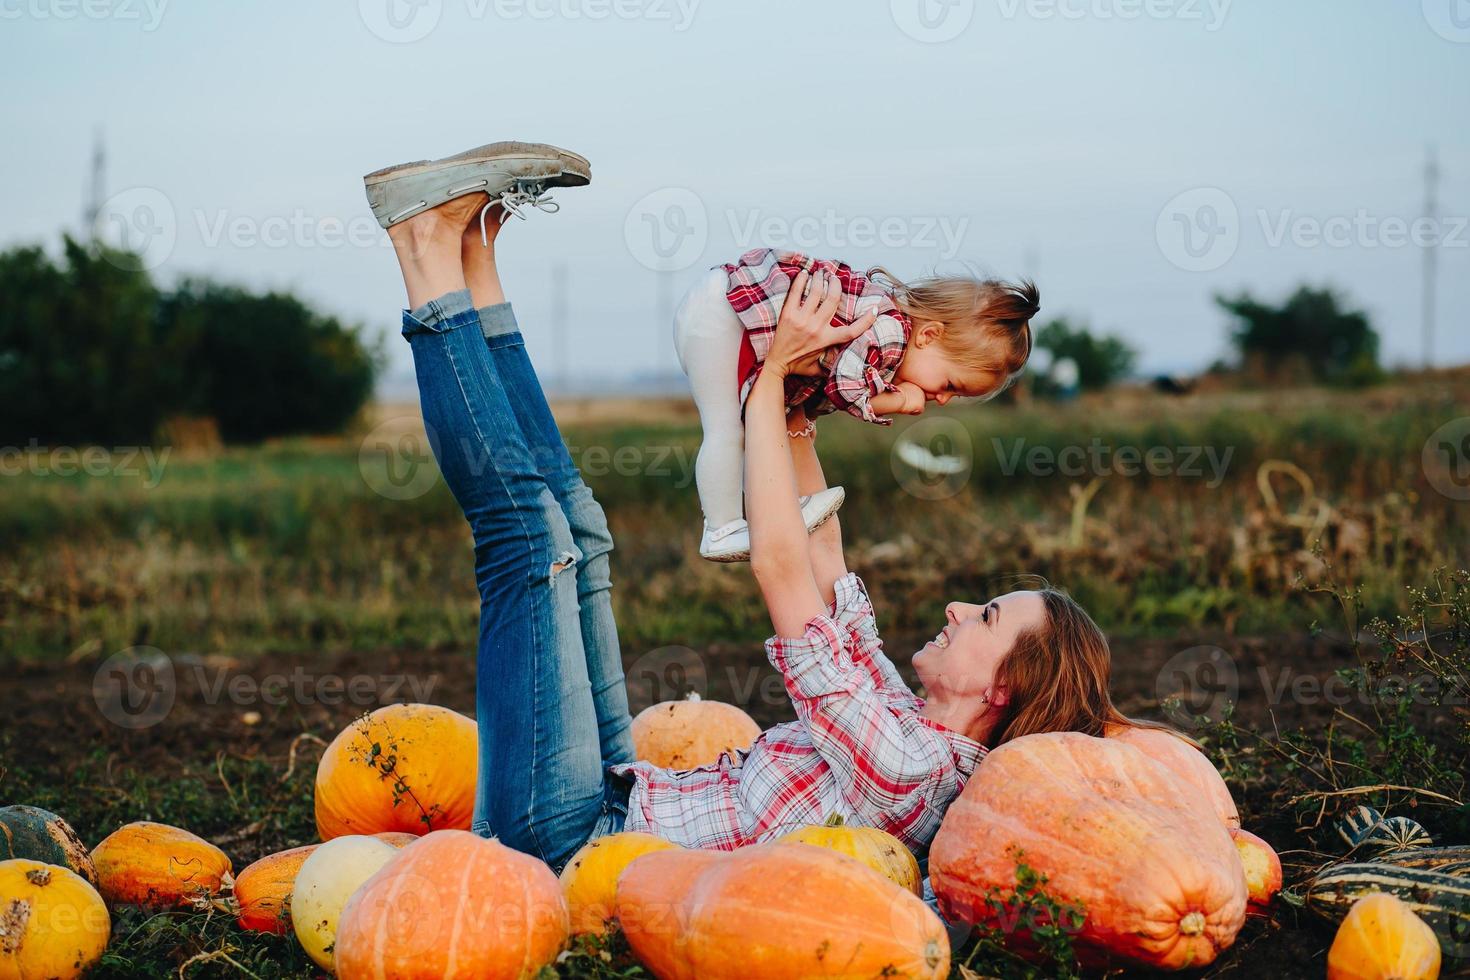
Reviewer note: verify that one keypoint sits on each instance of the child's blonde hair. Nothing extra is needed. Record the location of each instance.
(987, 322)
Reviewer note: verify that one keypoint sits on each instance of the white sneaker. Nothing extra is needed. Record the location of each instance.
(728, 542)
(731, 542)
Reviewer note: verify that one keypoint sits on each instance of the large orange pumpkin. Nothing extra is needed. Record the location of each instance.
(1153, 866)
(590, 879)
(453, 906)
(53, 923)
(775, 911)
(155, 865)
(691, 733)
(1186, 761)
(409, 768)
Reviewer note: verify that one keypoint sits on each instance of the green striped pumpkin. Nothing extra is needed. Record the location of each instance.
(1453, 860)
(1441, 900)
(40, 835)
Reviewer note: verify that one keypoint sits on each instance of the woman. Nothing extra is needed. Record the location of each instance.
(556, 757)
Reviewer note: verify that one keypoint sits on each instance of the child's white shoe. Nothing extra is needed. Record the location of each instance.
(731, 542)
(728, 542)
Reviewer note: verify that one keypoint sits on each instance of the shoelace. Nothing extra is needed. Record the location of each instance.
(514, 200)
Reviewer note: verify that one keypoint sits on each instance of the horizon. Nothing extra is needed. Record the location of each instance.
(1306, 168)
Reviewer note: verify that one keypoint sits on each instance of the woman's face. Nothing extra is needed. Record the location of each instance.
(962, 661)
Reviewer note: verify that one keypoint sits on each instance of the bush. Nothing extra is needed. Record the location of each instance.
(91, 351)
(267, 365)
(1101, 360)
(1313, 332)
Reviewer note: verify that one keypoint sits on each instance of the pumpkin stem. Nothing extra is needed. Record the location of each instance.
(1192, 924)
(39, 876)
(835, 820)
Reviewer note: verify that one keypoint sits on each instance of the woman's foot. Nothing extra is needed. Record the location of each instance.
(428, 247)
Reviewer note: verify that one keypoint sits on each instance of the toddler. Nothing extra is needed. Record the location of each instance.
(934, 339)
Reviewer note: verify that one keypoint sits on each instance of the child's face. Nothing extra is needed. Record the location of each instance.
(928, 366)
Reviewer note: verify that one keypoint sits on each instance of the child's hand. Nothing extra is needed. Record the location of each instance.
(913, 399)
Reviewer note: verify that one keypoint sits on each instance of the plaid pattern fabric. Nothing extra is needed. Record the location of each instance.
(858, 748)
(759, 282)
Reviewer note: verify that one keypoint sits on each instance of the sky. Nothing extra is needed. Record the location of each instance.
(1136, 157)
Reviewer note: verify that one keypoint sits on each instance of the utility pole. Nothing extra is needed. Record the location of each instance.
(97, 193)
(559, 354)
(1431, 252)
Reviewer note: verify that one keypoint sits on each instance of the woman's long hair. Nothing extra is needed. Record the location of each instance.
(1056, 678)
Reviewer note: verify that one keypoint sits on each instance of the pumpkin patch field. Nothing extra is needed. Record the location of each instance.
(237, 736)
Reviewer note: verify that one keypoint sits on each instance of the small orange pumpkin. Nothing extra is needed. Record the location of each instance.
(590, 879)
(1262, 869)
(691, 733)
(878, 849)
(453, 906)
(263, 890)
(52, 924)
(408, 768)
(1186, 761)
(1382, 939)
(1111, 829)
(155, 865)
(775, 911)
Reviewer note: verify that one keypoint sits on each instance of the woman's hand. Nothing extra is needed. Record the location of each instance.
(805, 329)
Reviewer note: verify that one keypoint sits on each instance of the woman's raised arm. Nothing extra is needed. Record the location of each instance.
(780, 554)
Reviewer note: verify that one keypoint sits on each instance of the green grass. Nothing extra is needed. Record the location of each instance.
(286, 547)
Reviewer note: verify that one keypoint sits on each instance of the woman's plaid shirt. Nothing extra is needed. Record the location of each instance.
(759, 282)
(858, 748)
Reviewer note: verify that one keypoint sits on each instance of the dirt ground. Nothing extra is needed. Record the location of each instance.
(66, 736)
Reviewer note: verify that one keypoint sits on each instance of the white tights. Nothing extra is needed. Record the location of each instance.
(707, 336)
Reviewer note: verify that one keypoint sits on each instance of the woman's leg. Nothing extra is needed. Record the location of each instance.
(541, 778)
(707, 337)
(583, 513)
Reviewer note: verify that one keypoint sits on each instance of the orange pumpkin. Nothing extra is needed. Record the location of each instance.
(1382, 939)
(263, 890)
(775, 911)
(1262, 869)
(590, 879)
(53, 923)
(155, 865)
(408, 768)
(1109, 827)
(453, 906)
(1186, 761)
(691, 733)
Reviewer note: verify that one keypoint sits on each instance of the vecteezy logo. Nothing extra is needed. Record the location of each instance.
(135, 688)
(1450, 19)
(933, 458)
(140, 224)
(666, 674)
(396, 459)
(666, 231)
(1199, 230)
(1446, 459)
(400, 21)
(932, 21)
(1198, 687)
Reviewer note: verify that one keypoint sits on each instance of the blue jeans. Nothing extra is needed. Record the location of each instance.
(551, 704)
